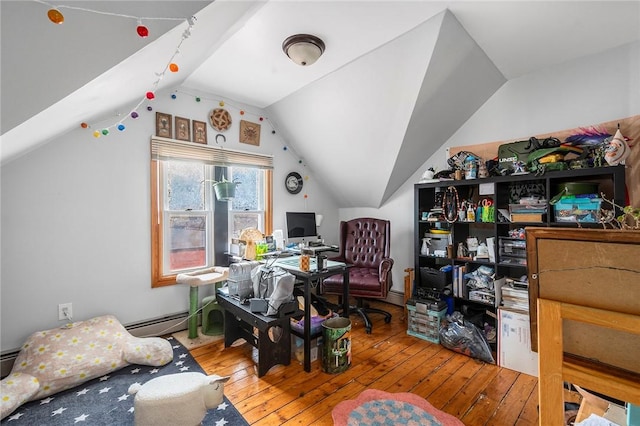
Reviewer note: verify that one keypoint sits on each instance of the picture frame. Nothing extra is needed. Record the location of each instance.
(199, 131)
(183, 129)
(249, 133)
(163, 125)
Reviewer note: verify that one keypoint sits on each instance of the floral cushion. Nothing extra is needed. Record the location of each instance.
(53, 360)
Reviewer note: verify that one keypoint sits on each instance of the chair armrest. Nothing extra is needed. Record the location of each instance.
(384, 270)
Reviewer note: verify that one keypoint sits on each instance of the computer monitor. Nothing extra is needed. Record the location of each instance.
(301, 226)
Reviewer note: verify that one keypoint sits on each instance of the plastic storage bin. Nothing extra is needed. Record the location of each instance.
(424, 319)
(586, 210)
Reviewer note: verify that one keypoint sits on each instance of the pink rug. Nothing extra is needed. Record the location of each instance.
(376, 407)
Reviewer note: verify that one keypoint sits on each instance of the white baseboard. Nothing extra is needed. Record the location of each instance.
(395, 297)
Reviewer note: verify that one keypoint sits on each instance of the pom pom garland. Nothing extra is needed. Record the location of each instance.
(56, 17)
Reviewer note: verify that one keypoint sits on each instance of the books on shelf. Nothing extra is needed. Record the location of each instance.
(457, 276)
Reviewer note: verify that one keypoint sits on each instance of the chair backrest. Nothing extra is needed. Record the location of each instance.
(365, 241)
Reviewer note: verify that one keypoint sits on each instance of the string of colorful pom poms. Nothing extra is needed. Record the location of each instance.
(56, 17)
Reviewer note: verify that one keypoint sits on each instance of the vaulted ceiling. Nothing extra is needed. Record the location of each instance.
(398, 78)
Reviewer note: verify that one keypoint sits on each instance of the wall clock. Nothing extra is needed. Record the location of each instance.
(293, 182)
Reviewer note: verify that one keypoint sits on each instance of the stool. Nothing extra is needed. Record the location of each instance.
(212, 317)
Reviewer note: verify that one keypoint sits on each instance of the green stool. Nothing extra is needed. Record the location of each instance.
(212, 317)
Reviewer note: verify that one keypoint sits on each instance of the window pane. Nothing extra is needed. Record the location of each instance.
(249, 193)
(243, 220)
(185, 189)
(187, 241)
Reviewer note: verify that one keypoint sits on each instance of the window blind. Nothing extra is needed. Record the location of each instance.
(169, 149)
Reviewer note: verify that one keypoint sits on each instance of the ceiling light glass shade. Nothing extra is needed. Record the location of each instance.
(303, 49)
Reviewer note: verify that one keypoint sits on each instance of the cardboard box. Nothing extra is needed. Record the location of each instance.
(514, 345)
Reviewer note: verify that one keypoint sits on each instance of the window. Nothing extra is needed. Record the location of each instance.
(187, 217)
(190, 228)
(246, 210)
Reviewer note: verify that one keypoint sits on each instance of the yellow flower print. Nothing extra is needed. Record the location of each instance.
(56, 337)
(42, 367)
(9, 382)
(24, 364)
(62, 372)
(102, 333)
(148, 357)
(91, 345)
(79, 357)
(118, 335)
(114, 365)
(74, 341)
(97, 361)
(109, 346)
(82, 375)
(46, 387)
(86, 329)
(42, 349)
(61, 354)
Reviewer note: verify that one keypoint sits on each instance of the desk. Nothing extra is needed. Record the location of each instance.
(333, 268)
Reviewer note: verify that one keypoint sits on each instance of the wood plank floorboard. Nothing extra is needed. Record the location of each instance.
(388, 359)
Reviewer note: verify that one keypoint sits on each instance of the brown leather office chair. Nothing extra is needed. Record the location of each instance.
(364, 244)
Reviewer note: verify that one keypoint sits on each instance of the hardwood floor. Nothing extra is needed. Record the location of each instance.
(388, 359)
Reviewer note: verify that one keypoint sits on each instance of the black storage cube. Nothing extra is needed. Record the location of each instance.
(434, 278)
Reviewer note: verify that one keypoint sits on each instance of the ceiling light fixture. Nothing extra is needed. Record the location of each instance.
(303, 49)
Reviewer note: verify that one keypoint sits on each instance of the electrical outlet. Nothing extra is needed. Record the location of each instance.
(65, 311)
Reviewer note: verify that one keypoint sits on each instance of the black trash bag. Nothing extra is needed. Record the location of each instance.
(463, 337)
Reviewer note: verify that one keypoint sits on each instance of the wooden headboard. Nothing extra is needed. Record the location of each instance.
(596, 268)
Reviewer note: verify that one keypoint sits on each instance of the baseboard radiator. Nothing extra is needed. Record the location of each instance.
(148, 328)
(395, 297)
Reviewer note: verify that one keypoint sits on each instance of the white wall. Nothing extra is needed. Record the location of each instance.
(75, 213)
(581, 93)
(76, 227)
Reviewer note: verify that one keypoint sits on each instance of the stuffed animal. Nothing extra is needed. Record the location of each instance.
(53, 360)
(176, 399)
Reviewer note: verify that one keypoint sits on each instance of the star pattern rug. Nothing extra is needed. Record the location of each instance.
(105, 401)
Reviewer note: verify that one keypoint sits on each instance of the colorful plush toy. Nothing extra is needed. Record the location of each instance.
(53, 360)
